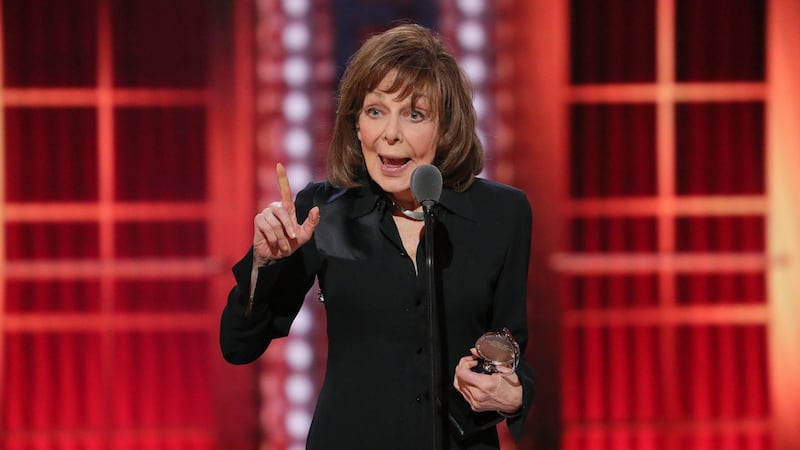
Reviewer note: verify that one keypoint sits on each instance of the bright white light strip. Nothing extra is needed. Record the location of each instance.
(286, 86)
(298, 108)
(472, 35)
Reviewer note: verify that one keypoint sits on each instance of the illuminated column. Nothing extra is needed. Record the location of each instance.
(477, 36)
(481, 39)
(291, 67)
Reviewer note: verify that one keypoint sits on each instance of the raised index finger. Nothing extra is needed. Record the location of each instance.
(283, 187)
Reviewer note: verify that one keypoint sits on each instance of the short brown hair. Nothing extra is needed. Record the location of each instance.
(424, 68)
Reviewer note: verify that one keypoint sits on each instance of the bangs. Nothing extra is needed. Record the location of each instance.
(411, 80)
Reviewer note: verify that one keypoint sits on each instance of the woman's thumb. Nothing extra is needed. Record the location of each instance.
(311, 221)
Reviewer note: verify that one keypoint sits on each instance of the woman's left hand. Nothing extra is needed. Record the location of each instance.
(501, 391)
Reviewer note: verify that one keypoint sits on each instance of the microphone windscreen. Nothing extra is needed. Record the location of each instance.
(426, 183)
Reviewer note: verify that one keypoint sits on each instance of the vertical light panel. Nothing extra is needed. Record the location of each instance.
(294, 76)
(541, 73)
(476, 34)
(783, 153)
(480, 35)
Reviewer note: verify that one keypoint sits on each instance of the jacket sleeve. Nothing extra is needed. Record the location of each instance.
(510, 302)
(279, 293)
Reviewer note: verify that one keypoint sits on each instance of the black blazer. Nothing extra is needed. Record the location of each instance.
(375, 392)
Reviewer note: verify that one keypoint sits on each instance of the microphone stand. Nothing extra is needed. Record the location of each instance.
(433, 330)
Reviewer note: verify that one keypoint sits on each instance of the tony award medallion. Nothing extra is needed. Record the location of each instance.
(496, 349)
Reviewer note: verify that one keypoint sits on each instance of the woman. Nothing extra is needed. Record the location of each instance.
(403, 103)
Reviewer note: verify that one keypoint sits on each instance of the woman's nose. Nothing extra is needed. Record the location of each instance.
(392, 133)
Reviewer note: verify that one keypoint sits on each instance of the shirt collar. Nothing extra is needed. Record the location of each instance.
(369, 196)
(458, 203)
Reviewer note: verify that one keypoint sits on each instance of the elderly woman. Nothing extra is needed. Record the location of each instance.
(403, 103)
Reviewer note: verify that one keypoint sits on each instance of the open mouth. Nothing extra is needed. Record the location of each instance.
(394, 163)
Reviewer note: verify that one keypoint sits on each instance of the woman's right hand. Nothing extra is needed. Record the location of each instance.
(277, 233)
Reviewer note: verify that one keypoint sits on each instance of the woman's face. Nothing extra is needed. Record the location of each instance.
(396, 138)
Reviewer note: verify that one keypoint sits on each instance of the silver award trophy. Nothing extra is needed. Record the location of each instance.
(496, 349)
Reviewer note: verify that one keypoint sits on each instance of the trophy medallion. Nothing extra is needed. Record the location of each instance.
(496, 349)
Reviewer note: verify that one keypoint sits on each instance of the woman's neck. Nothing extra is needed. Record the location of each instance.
(406, 207)
(407, 202)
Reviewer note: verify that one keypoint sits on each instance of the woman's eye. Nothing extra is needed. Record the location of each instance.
(372, 112)
(417, 115)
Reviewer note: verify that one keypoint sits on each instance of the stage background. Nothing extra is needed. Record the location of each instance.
(658, 142)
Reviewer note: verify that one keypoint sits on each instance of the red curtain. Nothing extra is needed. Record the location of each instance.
(109, 331)
(651, 356)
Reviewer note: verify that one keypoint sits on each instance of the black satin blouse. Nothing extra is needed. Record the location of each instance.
(375, 393)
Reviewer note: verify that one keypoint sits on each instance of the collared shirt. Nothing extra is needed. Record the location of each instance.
(377, 380)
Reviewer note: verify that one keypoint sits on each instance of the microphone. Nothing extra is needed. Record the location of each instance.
(426, 185)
